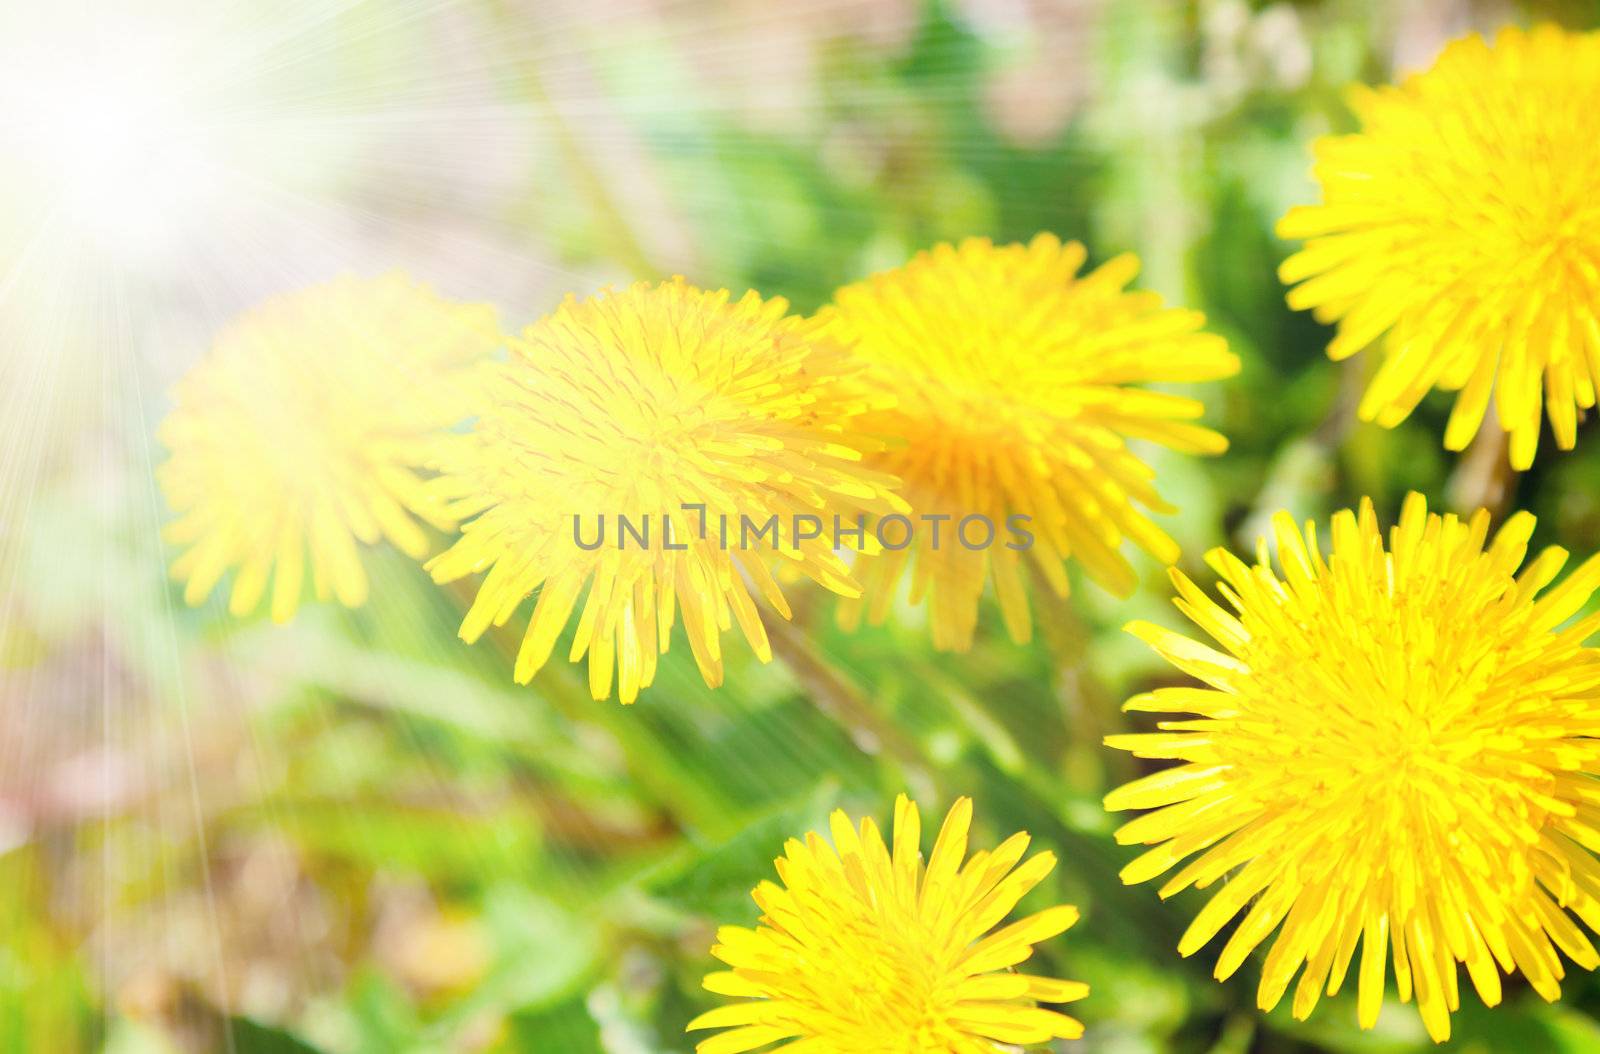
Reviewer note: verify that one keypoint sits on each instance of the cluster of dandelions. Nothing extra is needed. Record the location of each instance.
(1017, 390)
(976, 380)
(1395, 748)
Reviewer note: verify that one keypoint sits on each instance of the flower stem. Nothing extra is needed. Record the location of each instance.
(1087, 705)
(521, 78)
(844, 701)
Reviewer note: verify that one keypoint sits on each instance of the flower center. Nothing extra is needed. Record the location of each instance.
(879, 990)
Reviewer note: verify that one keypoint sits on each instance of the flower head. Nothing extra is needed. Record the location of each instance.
(628, 448)
(301, 432)
(1462, 226)
(1396, 748)
(1016, 380)
(864, 951)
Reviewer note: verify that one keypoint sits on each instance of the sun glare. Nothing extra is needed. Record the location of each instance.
(127, 158)
(107, 140)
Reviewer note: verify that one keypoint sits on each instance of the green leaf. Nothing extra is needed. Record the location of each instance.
(251, 1037)
(566, 1028)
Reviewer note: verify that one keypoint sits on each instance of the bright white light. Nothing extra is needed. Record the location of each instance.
(231, 148)
(125, 158)
(106, 140)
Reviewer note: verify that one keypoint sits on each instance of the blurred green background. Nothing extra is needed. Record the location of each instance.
(355, 835)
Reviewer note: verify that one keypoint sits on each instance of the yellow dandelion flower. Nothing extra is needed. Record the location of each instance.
(1462, 226)
(1396, 749)
(655, 446)
(1016, 380)
(864, 952)
(300, 434)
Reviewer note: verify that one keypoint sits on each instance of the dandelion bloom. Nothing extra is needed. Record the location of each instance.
(631, 406)
(1016, 380)
(1395, 748)
(1462, 225)
(302, 431)
(871, 953)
